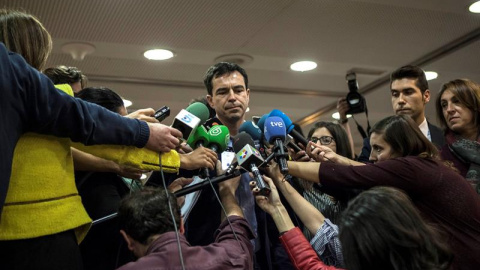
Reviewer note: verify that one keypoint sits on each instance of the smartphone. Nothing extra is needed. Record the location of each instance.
(162, 113)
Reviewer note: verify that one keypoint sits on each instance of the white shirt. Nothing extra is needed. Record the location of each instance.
(424, 129)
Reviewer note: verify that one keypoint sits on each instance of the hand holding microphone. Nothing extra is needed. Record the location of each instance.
(249, 158)
(275, 133)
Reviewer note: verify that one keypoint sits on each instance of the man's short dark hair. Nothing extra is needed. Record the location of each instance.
(220, 69)
(146, 213)
(64, 74)
(413, 73)
(102, 96)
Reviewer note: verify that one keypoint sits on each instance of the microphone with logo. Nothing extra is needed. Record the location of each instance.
(288, 125)
(256, 133)
(187, 120)
(275, 133)
(249, 158)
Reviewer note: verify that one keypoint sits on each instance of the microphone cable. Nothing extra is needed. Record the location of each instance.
(177, 234)
(224, 211)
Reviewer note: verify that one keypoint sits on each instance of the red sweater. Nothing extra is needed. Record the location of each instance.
(301, 253)
(442, 196)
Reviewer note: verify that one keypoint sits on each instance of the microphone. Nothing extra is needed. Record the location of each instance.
(187, 120)
(203, 184)
(275, 133)
(256, 133)
(218, 136)
(198, 139)
(214, 121)
(249, 157)
(288, 124)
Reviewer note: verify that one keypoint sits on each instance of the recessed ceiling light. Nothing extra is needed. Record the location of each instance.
(303, 66)
(127, 103)
(158, 54)
(431, 75)
(336, 115)
(475, 7)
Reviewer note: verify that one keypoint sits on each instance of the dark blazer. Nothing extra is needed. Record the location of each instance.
(438, 139)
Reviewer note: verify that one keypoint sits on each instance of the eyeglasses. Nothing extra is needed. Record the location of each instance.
(324, 140)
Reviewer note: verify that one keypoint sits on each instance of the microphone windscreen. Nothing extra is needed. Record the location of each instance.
(241, 140)
(200, 110)
(275, 129)
(288, 123)
(200, 134)
(218, 137)
(214, 121)
(261, 121)
(251, 129)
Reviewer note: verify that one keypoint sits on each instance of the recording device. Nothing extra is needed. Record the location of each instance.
(162, 113)
(256, 133)
(292, 144)
(218, 136)
(355, 100)
(288, 124)
(214, 121)
(276, 133)
(187, 120)
(249, 158)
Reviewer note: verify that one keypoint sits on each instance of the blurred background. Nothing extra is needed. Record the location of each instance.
(106, 39)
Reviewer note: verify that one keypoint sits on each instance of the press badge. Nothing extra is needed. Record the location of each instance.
(227, 159)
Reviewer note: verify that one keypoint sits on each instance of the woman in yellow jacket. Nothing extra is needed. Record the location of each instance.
(43, 219)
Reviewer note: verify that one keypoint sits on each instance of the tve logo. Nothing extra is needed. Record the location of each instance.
(276, 124)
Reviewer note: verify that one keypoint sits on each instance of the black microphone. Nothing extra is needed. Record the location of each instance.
(256, 133)
(275, 133)
(249, 158)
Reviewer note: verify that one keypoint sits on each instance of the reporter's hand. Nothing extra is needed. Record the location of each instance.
(229, 185)
(178, 184)
(269, 203)
(320, 153)
(300, 156)
(130, 172)
(144, 115)
(184, 148)
(163, 138)
(342, 107)
(200, 158)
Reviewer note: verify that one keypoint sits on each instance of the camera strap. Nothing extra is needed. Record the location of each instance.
(360, 128)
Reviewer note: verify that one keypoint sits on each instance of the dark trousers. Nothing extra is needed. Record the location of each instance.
(52, 252)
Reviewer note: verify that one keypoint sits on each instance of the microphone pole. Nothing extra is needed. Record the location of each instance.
(192, 188)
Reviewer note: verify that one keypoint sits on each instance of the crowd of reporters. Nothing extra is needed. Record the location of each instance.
(413, 203)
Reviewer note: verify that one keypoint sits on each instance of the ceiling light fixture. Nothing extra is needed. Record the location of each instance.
(127, 103)
(475, 7)
(158, 54)
(303, 66)
(336, 115)
(431, 75)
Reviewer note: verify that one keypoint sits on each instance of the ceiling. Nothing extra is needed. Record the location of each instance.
(340, 35)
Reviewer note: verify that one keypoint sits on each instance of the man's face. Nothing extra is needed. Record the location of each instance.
(229, 97)
(408, 99)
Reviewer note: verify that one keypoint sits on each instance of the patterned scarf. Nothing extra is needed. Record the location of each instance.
(468, 152)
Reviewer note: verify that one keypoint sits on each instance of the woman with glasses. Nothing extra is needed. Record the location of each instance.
(458, 111)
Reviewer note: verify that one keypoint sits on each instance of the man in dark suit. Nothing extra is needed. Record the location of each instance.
(410, 95)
